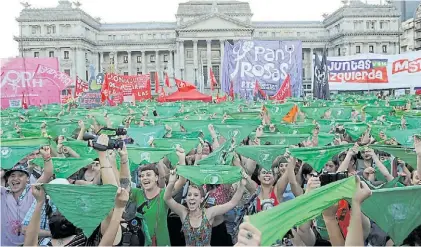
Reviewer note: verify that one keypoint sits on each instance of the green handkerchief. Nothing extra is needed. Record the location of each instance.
(205, 174)
(141, 155)
(81, 148)
(283, 139)
(275, 223)
(400, 211)
(355, 130)
(83, 205)
(14, 150)
(142, 135)
(263, 155)
(318, 157)
(65, 167)
(238, 132)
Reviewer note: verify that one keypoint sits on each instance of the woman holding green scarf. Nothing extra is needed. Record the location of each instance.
(197, 221)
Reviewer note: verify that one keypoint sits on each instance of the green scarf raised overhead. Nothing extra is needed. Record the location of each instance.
(355, 130)
(404, 137)
(399, 212)
(295, 128)
(142, 135)
(275, 223)
(318, 157)
(283, 139)
(84, 206)
(263, 155)
(406, 154)
(65, 167)
(81, 148)
(209, 174)
(139, 155)
(186, 144)
(14, 150)
(238, 132)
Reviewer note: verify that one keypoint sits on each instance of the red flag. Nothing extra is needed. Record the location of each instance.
(81, 87)
(221, 99)
(258, 89)
(184, 86)
(105, 89)
(156, 82)
(24, 103)
(284, 91)
(167, 80)
(212, 77)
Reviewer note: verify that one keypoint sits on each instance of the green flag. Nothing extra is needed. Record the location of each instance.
(209, 174)
(142, 135)
(275, 223)
(355, 130)
(319, 156)
(65, 167)
(85, 206)
(400, 213)
(263, 155)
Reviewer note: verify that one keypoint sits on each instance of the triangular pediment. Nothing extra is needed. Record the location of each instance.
(213, 21)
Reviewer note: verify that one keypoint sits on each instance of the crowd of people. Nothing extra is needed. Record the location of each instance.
(204, 174)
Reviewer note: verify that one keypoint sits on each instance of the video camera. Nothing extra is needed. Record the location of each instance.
(327, 178)
(112, 143)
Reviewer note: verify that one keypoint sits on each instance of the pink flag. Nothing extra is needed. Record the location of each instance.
(60, 79)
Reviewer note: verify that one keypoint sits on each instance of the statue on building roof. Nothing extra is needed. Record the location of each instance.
(25, 4)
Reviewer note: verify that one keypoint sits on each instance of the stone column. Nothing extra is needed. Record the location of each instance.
(222, 47)
(349, 49)
(312, 65)
(182, 67)
(209, 59)
(129, 56)
(171, 65)
(101, 62)
(116, 62)
(177, 60)
(74, 63)
(195, 61)
(157, 65)
(143, 54)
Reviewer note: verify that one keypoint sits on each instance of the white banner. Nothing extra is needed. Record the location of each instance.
(374, 71)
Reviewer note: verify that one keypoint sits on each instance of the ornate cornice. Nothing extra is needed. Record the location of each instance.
(74, 38)
(135, 42)
(215, 30)
(211, 15)
(339, 35)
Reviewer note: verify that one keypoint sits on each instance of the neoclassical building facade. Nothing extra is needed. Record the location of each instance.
(195, 41)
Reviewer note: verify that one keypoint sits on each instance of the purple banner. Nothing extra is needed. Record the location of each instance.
(268, 62)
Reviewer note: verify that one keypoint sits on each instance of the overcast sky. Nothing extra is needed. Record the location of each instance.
(159, 10)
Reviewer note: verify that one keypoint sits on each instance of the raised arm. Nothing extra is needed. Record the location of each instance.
(176, 207)
(335, 234)
(381, 167)
(355, 235)
(345, 164)
(417, 145)
(112, 229)
(31, 234)
(295, 187)
(125, 182)
(48, 165)
(222, 209)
